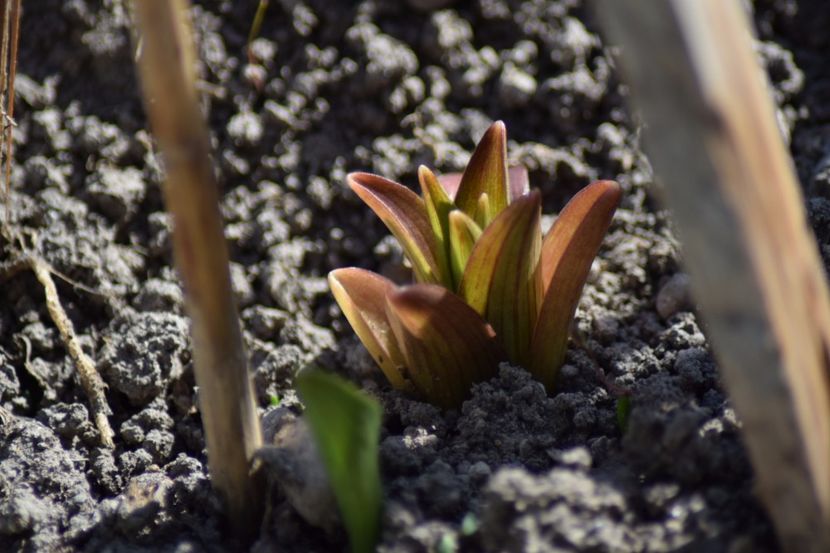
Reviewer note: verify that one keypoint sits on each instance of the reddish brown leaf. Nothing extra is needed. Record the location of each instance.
(499, 281)
(447, 345)
(449, 182)
(568, 250)
(486, 173)
(517, 179)
(361, 296)
(405, 214)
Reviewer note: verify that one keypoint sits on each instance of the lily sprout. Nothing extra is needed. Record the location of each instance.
(489, 287)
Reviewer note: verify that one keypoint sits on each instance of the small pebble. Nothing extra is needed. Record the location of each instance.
(674, 296)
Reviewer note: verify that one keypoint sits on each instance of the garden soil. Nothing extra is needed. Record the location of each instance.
(332, 87)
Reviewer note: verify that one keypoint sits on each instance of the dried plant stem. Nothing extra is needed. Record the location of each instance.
(91, 381)
(713, 140)
(8, 124)
(5, 34)
(232, 432)
(259, 16)
(9, 32)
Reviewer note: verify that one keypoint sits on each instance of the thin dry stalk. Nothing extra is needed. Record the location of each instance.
(168, 76)
(259, 16)
(8, 124)
(713, 140)
(92, 383)
(5, 19)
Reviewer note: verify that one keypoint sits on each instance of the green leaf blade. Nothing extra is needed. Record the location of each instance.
(438, 206)
(464, 232)
(361, 296)
(345, 424)
(486, 173)
(405, 215)
(500, 280)
(448, 346)
(483, 215)
(568, 250)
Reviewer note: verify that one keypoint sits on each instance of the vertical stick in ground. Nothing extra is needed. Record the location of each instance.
(713, 140)
(168, 77)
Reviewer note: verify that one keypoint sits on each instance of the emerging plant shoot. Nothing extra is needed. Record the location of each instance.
(489, 287)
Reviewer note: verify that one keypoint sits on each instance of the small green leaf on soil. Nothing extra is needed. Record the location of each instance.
(448, 544)
(469, 524)
(345, 423)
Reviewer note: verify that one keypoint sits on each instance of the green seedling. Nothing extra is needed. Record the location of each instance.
(489, 287)
(469, 525)
(345, 424)
(448, 544)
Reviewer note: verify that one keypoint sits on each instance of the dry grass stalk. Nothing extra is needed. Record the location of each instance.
(9, 33)
(8, 124)
(756, 274)
(168, 76)
(91, 381)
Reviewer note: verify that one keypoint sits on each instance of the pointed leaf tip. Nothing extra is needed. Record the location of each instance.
(361, 296)
(518, 182)
(464, 232)
(568, 250)
(438, 206)
(581, 224)
(486, 173)
(484, 214)
(405, 215)
(447, 345)
(345, 424)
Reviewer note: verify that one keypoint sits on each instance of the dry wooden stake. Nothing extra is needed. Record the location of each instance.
(712, 138)
(168, 75)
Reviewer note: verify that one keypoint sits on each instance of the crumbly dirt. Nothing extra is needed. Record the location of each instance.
(378, 86)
